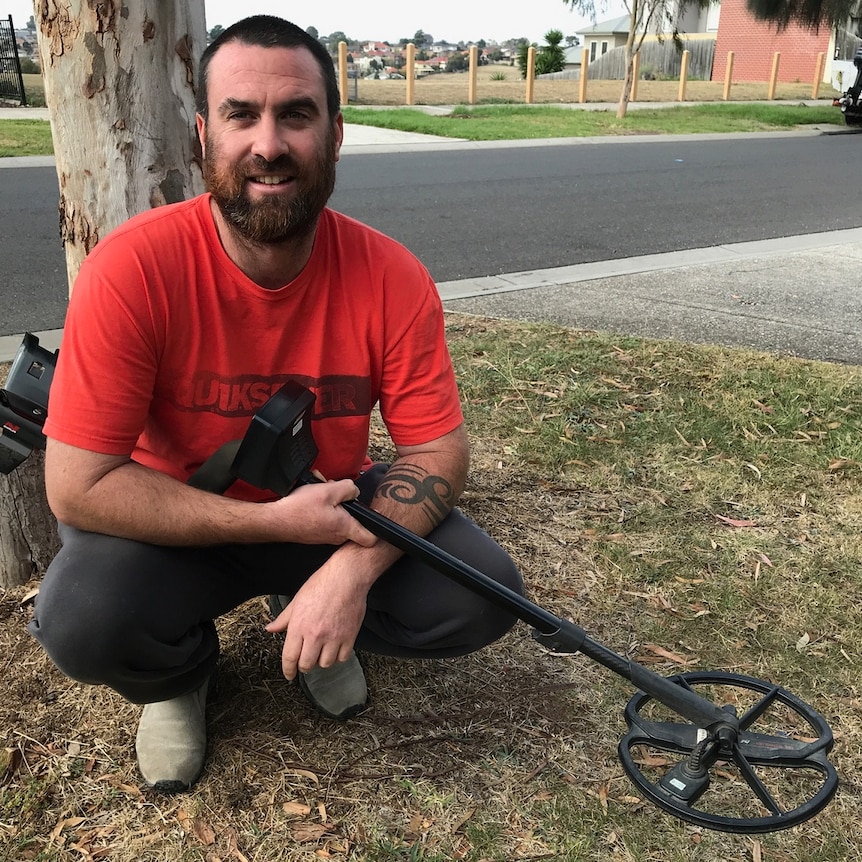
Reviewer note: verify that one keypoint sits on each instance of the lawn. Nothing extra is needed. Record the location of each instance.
(692, 507)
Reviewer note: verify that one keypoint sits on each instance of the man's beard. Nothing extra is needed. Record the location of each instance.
(273, 219)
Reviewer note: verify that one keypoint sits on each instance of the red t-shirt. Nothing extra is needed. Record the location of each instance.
(169, 348)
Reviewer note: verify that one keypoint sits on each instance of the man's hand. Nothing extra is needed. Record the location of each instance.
(317, 517)
(322, 621)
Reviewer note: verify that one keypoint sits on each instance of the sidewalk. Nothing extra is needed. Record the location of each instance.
(796, 296)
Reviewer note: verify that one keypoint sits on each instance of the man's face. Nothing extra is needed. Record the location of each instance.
(269, 145)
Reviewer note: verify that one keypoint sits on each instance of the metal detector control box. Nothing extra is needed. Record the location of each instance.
(279, 446)
(24, 403)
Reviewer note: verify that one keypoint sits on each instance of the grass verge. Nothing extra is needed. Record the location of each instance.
(487, 123)
(693, 507)
(25, 138)
(515, 122)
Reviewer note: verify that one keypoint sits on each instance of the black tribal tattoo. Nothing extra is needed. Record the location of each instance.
(410, 484)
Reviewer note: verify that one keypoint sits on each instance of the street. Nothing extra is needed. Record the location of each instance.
(486, 210)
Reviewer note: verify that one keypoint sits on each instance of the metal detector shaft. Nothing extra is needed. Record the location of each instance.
(552, 631)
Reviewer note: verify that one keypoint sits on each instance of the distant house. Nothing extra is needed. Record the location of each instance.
(572, 57)
(443, 47)
(604, 35)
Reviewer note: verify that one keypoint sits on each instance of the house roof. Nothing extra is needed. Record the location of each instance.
(612, 25)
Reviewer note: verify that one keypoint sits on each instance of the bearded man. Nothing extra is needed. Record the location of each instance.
(182, 323)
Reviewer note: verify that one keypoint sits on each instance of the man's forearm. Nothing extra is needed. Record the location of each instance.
(134, 502)
(417, 492)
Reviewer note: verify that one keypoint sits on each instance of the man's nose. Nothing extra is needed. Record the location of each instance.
(270, 141)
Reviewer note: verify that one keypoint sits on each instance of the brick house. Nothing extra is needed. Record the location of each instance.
(754, 44)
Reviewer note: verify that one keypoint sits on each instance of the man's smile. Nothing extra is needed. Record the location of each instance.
(271, 181)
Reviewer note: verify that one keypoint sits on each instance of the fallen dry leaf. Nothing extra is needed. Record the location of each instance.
(196, 826)
(734, 522)
(655, 649)
(304, 832)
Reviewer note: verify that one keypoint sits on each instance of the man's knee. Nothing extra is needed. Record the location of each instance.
(81, 636)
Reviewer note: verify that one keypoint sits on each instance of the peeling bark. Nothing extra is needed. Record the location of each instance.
(120, 86)
(28, 532)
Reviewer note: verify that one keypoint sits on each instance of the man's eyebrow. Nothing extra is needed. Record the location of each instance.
(301, 103)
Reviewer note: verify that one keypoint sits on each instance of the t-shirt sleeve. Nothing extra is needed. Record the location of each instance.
(419, 399)
(103, 384)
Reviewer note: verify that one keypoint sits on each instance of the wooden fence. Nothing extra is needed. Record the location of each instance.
(659, 60)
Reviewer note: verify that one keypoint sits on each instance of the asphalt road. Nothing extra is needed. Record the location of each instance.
(486, 210)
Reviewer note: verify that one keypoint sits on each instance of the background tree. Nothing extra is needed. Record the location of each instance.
(312, 31)
(812, 13)
(523, 56)
(645, 16)
(551, 57)
(458, 62)
(119, 87)
(215, 33)
(333, 39)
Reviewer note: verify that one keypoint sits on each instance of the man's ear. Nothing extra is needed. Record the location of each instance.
(338, 130)
(201, 125)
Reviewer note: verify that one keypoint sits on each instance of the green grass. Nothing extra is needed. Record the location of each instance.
(514, 122)
(25, 138)
(491, 123)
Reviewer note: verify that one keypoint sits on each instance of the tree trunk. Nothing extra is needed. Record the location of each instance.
(119, 84)
(28, 532)
(628, 82)
(634, 22)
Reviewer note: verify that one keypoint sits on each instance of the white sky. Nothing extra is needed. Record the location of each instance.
(391, 20)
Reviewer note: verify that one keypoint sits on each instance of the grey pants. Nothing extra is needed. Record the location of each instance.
(140, 618)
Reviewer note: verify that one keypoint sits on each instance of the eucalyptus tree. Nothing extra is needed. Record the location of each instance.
(646, 17)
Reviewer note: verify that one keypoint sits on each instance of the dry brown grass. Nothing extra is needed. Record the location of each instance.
(453, 89)
(509, 754)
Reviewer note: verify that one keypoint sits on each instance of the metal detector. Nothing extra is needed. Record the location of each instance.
(758, 762)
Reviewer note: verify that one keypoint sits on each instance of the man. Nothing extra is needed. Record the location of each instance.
(182, 323)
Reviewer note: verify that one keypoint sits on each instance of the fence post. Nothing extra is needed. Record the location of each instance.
(474, 63)
(342, 72)
(683, 76)
(410, 70)
(818, 75)
(728, 75)
(531, 74)
(773, 77)
(636, 71)
(585, 62)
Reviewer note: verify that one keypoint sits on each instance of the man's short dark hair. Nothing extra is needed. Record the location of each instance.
(268, 31)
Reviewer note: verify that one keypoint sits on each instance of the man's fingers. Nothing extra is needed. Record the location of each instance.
(279, 624)
(290, 654)
(361, 536)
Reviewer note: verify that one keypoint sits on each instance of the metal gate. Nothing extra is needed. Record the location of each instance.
(11, 80)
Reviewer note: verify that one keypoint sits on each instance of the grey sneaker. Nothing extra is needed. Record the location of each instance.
(171, 741)
(338, 691)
